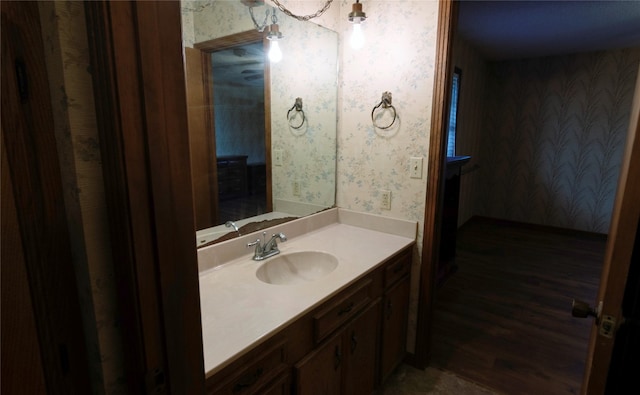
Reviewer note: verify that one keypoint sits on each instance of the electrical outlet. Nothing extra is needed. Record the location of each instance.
(296, 188)
(277, 157)
(385, 200)
(415, 167)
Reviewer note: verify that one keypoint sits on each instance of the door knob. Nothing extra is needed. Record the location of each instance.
(582, 309)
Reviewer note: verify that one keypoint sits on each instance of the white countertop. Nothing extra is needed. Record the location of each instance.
(239, 310)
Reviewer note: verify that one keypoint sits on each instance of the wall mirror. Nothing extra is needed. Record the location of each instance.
(254, 161)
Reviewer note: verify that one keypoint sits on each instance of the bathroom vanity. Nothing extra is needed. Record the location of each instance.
(335, 322)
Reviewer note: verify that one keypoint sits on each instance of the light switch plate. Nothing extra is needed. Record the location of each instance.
(415, 167)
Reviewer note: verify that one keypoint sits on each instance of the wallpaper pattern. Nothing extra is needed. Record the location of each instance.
(67, 59)
(307, 70)
(398, 57)
(553, 138)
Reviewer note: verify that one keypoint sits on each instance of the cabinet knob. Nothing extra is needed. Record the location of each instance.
(346, 309)
(247, 381)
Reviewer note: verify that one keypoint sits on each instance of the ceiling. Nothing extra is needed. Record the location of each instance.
(503, 30)
(239, 66)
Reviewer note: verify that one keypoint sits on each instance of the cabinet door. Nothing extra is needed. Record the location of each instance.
(360, 340)
(280, 386)
(394, 327)
(320, 372)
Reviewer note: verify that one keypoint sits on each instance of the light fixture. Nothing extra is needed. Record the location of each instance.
(274, 35)
(356, 17)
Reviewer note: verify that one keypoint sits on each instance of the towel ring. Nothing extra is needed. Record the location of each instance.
(298, 107)
(385, 103)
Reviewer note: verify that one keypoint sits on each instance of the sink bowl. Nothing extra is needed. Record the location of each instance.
(297, 267)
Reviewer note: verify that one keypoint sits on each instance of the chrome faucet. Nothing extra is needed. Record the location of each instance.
(269, 248)
(231, 224)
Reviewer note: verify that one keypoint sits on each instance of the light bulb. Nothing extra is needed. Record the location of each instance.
(275, 54)
(357, 38)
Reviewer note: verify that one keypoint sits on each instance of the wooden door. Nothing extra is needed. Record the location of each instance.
(619, 250)
(360, 340)
(395, 311)
(202, 142)
(320, 373)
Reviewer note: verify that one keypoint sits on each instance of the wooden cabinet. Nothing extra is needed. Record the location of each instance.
(346, 363)
(395, 311)
(360, 344)
(347, 345)
(320, 372)
(394, 328)
(232, 176)
(262, 370)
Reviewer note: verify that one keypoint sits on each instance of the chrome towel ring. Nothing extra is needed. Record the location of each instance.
(298, 107)
(385, 103)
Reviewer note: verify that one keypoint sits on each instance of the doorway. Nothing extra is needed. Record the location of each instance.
(557, 194)
(239, 128)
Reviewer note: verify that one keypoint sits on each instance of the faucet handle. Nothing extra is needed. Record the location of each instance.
(253, 243)
(256, 244)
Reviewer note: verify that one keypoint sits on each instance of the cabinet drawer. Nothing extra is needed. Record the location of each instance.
(398, 268)
(341, 309)
(263, 365)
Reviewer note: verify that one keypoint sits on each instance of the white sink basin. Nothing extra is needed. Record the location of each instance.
(296, 267)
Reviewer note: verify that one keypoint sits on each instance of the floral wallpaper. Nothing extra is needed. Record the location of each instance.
(398, 57)
(553, 136)
(308, 153)
(67, 59)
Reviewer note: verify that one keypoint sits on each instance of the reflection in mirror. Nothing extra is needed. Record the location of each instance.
(239, 125)
(296, 174)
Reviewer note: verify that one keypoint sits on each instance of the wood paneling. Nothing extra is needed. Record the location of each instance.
(20, 345)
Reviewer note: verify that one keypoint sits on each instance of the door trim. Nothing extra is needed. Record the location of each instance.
(618, 253)
(447, 17)
(41, 253)
(139, 83)
(247, 37)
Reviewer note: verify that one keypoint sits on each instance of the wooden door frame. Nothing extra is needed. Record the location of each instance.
(619, 250)
(204, 174)
(138, 76)
(217, 44)
(53, 353)
(447, 19)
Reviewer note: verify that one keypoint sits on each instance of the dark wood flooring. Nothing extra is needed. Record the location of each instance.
(504, 318)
